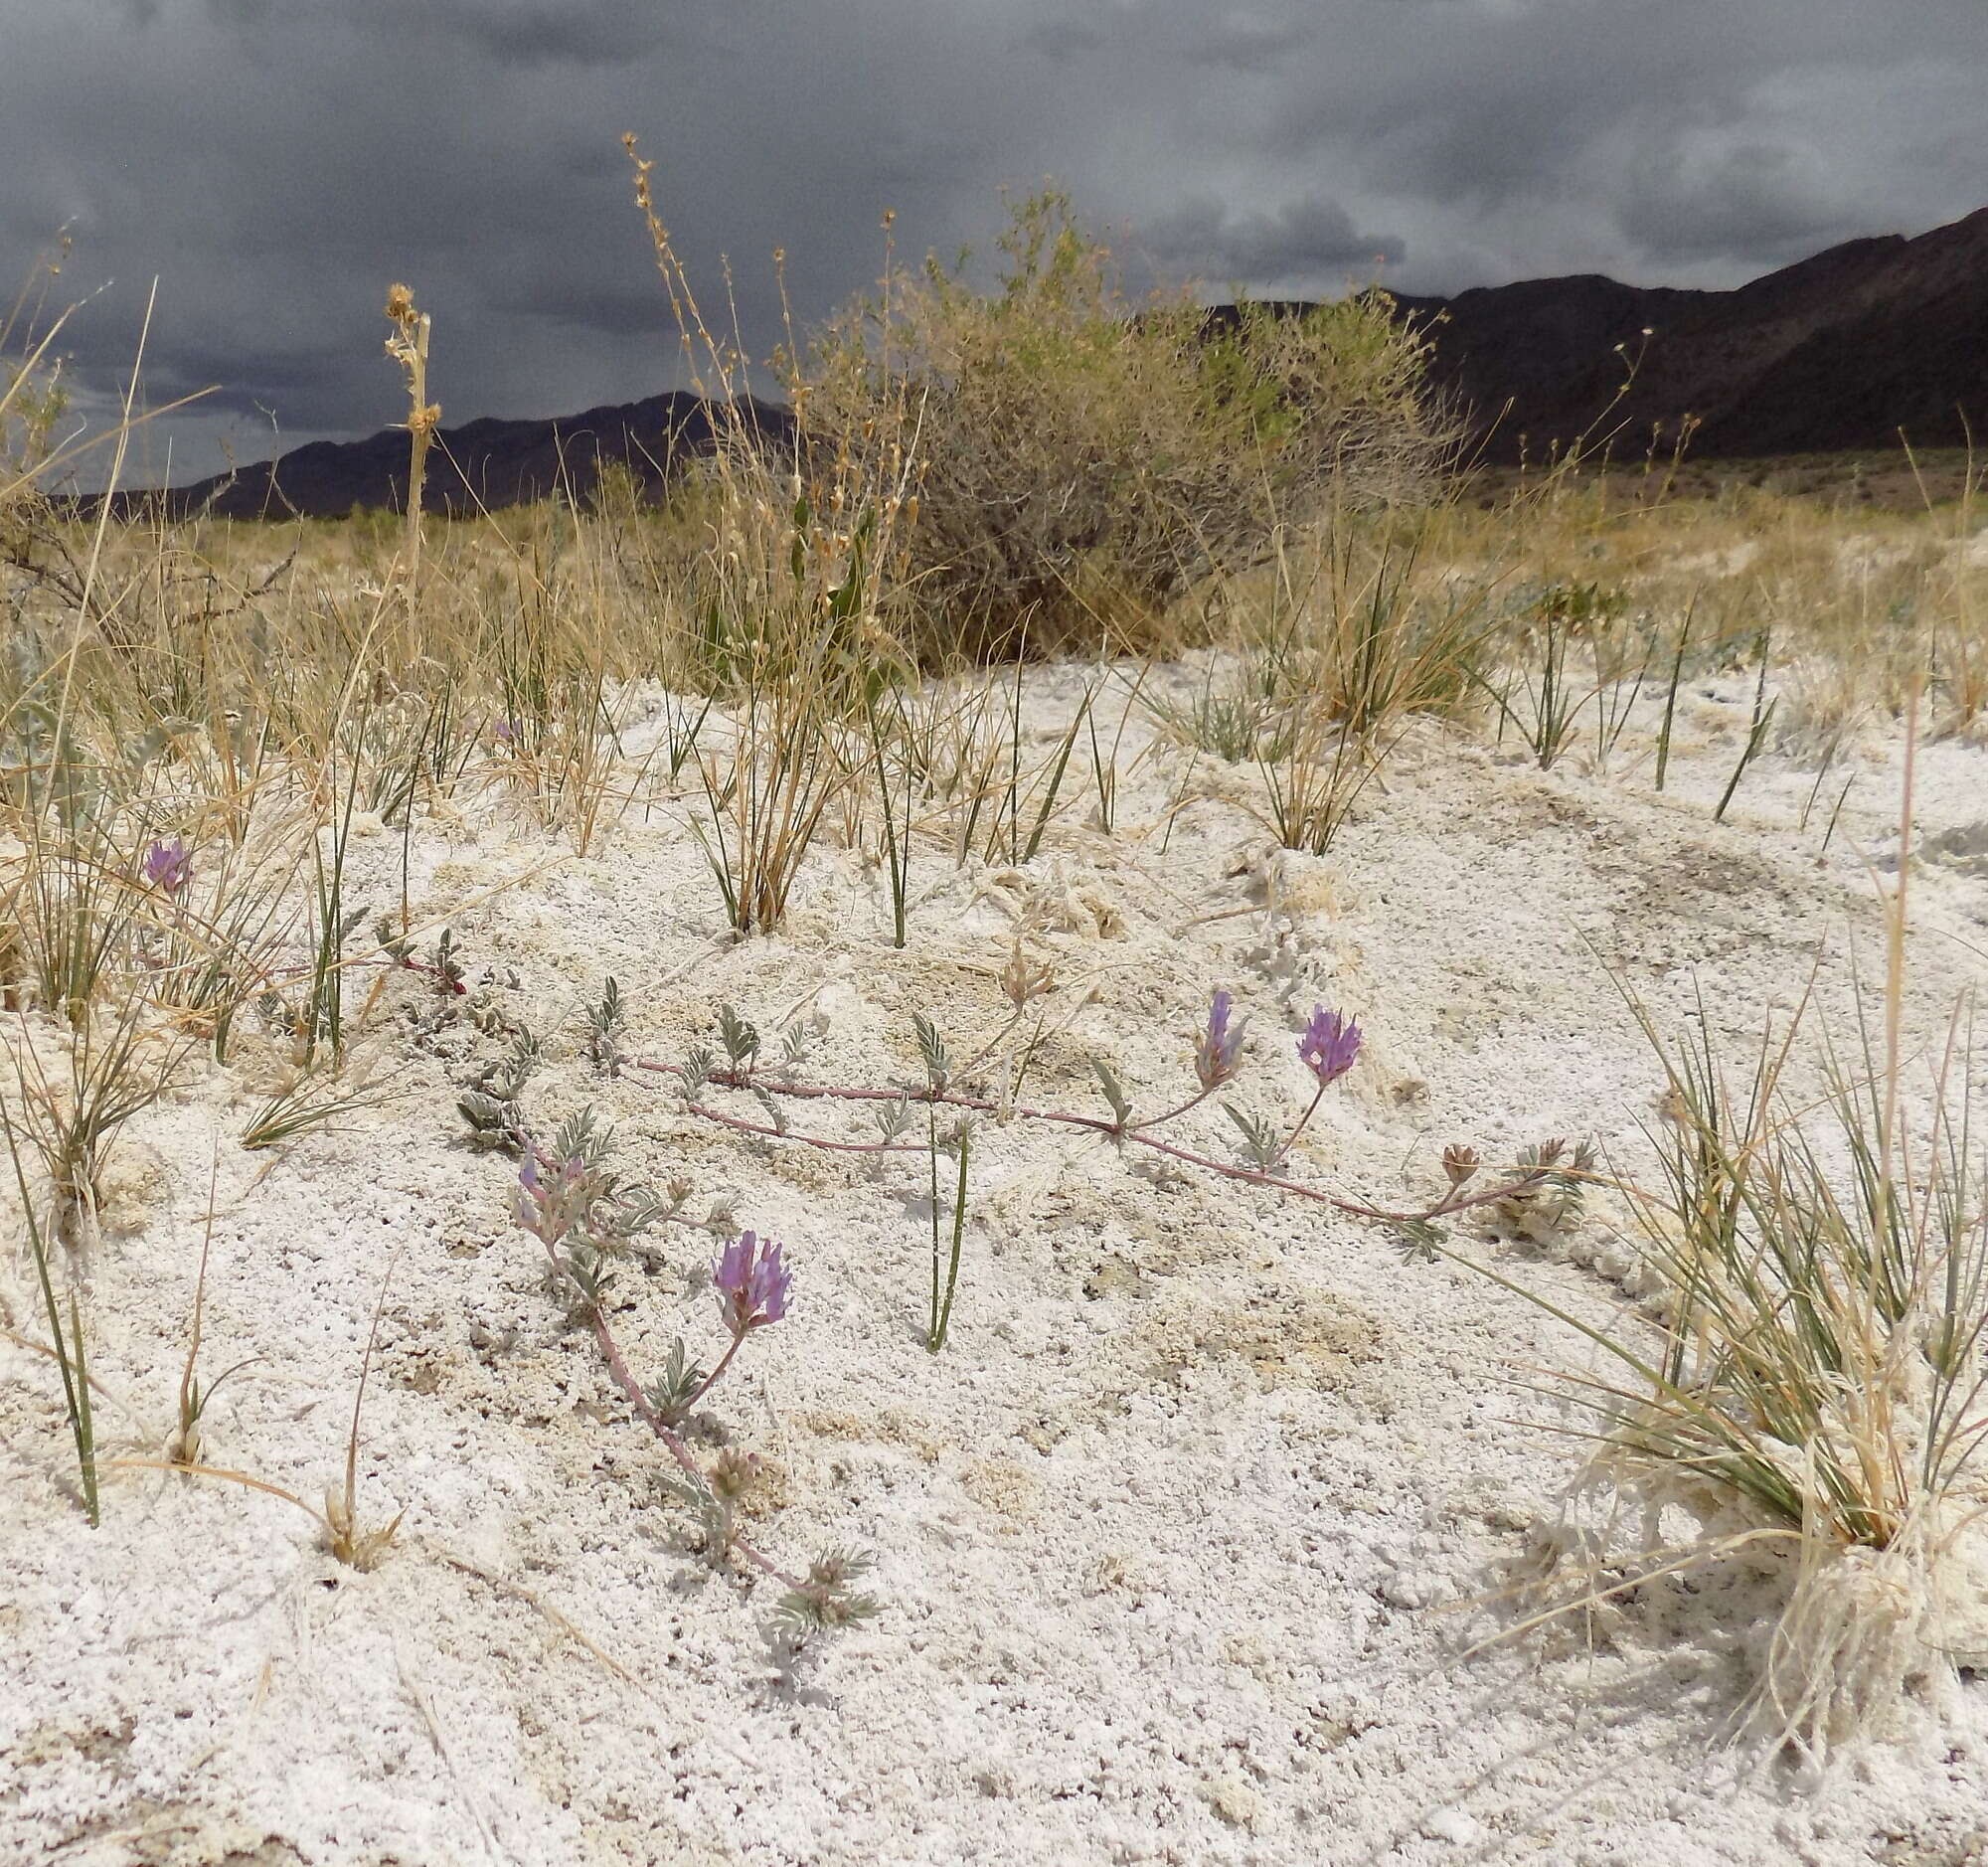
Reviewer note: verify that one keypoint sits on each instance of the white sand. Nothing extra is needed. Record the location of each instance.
(1180, 1540)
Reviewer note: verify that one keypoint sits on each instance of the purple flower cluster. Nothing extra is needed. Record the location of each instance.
(753, 1283)
(168, 866)
(1329, 1045)
(1214, 1062)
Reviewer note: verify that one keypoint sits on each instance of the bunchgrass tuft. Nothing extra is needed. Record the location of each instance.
(1819, 1273)
(63, 1310)
(1823, 1278)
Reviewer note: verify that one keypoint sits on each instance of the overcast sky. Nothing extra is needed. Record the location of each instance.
(276, 163)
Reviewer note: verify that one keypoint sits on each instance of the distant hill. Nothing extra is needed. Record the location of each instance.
(1838, 351)
(488, 463)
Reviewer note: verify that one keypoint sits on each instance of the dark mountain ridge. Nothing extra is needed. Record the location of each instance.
(1840, 350)
(483, 464)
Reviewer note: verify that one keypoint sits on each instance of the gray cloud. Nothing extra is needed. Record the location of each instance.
(528, 34)
(1752, 199)
(1064, 39)
(275, 163)
(1250, 43)
(1310, 242)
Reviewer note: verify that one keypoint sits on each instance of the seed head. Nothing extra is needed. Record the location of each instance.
(734, 1473)
(1459, 1162)
(1023, 978)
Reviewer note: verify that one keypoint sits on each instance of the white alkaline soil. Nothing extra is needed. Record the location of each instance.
(1206, 1537)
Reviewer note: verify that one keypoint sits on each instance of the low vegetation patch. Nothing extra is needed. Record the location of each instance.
(1227, 552)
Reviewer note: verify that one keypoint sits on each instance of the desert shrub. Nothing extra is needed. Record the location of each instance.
(34, 551)
(1083, 460)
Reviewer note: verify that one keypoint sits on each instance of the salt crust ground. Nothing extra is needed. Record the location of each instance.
(1180, 1538)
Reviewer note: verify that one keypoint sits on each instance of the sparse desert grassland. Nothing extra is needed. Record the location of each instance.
(1304, 1166)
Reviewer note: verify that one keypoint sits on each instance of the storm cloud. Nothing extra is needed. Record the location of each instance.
(1300, 247)
(275, 163)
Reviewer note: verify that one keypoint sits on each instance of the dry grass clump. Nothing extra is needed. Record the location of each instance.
(1824, 1282)
(1858, 605)
(1819, 1274)
(1325, 654)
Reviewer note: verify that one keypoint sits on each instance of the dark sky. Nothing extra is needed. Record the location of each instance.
(277, 163)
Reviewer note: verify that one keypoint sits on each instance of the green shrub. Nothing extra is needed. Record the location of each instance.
(1082, 461)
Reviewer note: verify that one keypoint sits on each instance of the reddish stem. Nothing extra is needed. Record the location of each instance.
(743, 1126)
(1318, 1096)
(632, 1391)
(1193, 1102)
(1455, 1202)
(711, 1379)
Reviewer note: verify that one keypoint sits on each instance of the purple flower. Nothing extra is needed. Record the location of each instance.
(505, 731)
(751, 1283)
(537, 1204)
(1329, 1045)
(550, 1208)
(528, 1204)
(168, 866)
(1214, 1062)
